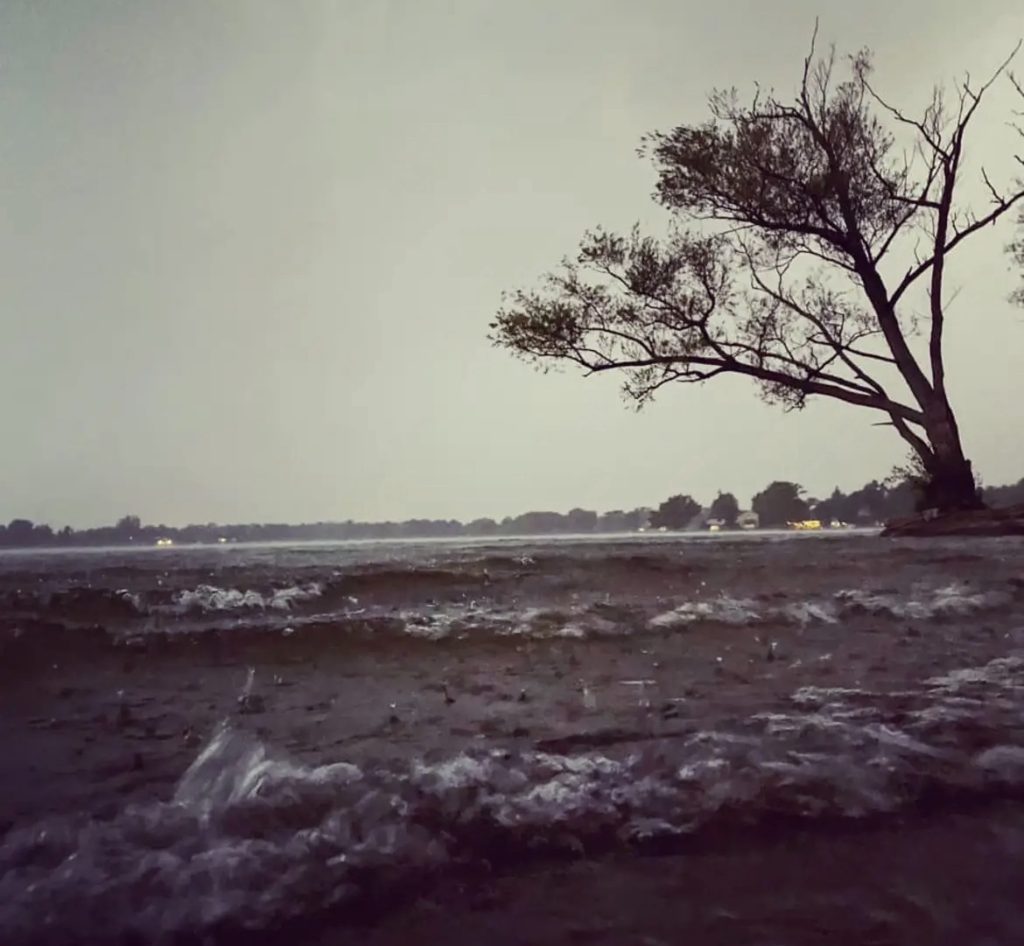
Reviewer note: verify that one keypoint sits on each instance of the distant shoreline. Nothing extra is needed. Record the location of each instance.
(703, 535)
(869, 507)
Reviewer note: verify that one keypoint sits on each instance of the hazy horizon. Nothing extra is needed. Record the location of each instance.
(250, 254)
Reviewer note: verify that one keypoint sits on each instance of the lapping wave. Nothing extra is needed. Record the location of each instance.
(251, 839)
(316, 611)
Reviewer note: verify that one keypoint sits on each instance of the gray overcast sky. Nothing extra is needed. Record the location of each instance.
(249, 252)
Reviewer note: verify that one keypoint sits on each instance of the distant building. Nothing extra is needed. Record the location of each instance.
(748, 520)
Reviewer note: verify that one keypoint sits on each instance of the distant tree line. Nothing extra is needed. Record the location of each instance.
(778, 504)
(22, 533)
(783, 502)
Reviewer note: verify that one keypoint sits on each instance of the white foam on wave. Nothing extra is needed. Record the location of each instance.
(577, 623)
(823, 696)
(740, 612)
(233, 767)
(923, 604)
(135, 600)
(252, 838)
(721, 610)
(808, 612)
(434, 627)
(588, 620)
(211, 598)
(1005, 672)
(953, 600)
(596, 620)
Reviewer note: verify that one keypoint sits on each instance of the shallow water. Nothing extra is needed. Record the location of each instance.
(249, 836)
(570, 587)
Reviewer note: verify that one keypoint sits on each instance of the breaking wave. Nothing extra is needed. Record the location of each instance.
(251, 838)
(211, 598)
(594, 620)
(313, 610)
(948, 601)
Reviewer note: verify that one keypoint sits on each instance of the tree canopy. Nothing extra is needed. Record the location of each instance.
(801, 229)
(677, 512)
(725, 507)
(780, 504)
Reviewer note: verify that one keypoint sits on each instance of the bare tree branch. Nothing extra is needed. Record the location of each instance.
(805, 198)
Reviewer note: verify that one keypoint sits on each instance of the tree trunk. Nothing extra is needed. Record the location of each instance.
(951, 485)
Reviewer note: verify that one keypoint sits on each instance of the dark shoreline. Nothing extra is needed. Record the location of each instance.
(978, 523)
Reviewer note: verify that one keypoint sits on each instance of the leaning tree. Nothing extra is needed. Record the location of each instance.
(804, 232)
